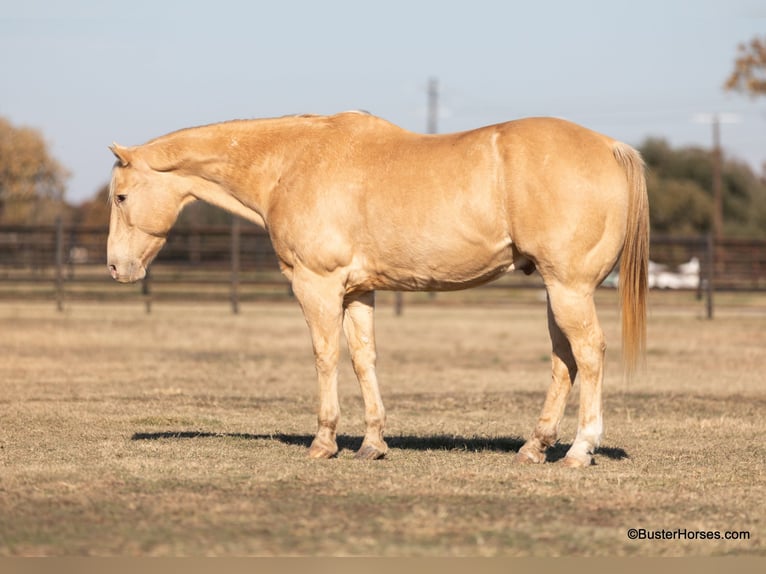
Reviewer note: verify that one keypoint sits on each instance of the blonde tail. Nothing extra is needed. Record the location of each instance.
(634, 263)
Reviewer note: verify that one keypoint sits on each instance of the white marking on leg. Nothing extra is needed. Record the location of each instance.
(587, 440)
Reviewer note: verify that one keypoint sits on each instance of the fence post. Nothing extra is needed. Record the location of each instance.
(146, 292)
(59, 264)
(235, 241)
(710, 274)
(398, 303)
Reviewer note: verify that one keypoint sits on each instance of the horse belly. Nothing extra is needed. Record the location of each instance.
(447, 265)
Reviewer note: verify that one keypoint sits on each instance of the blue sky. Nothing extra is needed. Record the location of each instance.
(87, 73)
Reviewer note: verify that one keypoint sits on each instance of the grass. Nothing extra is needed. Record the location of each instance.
(184, 432)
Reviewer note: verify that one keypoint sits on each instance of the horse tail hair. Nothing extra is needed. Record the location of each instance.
(634, 262)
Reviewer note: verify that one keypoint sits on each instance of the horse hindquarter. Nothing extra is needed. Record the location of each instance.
(595, 210)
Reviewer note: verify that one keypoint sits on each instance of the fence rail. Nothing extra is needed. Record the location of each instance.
(237, 262)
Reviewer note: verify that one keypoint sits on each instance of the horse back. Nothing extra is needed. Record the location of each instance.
(412, 211)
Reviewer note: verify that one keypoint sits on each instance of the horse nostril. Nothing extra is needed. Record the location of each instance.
(113, 271)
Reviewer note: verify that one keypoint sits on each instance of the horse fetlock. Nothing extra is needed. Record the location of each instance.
(545, 438)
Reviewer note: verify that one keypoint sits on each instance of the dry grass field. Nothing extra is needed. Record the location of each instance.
(184, 432)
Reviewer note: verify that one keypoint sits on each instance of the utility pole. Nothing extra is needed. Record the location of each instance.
(717, 180)
(432, 126)
(714, 252)
(715, 120)
(714, 239)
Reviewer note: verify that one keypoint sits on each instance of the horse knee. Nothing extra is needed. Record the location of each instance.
(326, 362)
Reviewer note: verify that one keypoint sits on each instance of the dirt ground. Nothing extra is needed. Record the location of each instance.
(184, 432)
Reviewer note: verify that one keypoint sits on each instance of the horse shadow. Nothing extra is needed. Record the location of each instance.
(403, 442)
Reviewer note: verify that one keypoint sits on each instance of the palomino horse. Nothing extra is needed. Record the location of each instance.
(353, 203)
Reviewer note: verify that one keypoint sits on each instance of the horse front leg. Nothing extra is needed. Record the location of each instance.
(358, 324)
(321, 299)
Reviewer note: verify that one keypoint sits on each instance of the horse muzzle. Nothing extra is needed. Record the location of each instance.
(129, 273)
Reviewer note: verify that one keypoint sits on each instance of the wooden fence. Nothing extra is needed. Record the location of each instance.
(237, 263)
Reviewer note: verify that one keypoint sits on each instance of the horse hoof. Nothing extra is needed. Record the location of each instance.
(369, 452)
(320, 451)
(524, 457)
(572, 462)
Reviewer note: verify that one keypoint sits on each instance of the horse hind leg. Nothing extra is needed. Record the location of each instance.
(564, 370)
(574, 314)
(358, 324)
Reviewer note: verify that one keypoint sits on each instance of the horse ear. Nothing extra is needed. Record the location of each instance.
(121, 153)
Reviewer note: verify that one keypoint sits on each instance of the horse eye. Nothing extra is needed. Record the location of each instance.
(121, 197)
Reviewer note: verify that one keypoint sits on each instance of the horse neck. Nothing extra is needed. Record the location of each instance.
(236, 164)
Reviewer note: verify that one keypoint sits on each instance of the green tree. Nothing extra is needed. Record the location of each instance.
(679, 182)
(32, 182)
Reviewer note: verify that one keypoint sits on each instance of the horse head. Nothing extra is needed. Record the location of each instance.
(145, 202)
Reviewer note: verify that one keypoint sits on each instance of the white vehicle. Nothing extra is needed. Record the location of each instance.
(687, 275)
